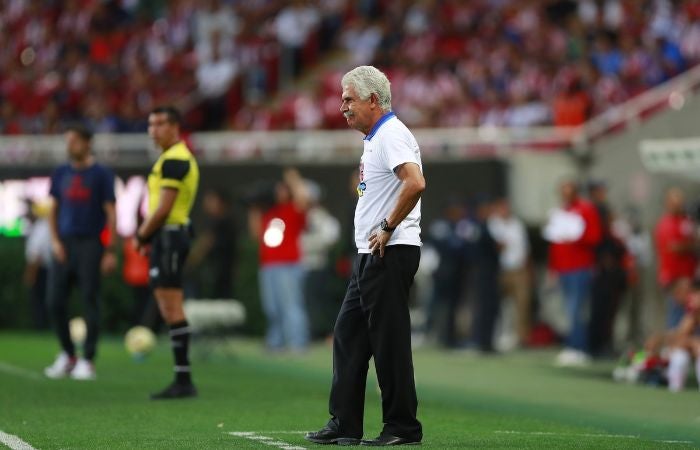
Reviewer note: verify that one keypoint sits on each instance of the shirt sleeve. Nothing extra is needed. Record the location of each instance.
(54, 191)
(108, 187)
(495, 230)
(592, 232)
(659, 236)
(400, 149)
(519, 243)
(174, 172)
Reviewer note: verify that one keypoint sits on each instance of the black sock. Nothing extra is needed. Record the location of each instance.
(180, 339)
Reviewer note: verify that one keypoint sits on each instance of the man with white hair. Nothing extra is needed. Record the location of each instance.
(374, 320)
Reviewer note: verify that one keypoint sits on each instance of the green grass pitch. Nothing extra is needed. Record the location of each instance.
(249, 399)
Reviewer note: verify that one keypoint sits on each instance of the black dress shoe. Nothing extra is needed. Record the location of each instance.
(175, 390)
(329, 436)
(387, 439)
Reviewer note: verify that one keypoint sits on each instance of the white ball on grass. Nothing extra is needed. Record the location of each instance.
(139, 341)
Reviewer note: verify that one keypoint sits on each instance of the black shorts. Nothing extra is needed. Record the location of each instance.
(169, 250)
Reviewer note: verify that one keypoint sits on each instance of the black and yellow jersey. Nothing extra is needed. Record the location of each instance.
(176, 168)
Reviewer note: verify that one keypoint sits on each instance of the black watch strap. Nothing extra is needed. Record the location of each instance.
(142, 240)
(385, 226)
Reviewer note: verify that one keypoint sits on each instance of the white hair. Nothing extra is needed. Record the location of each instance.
(368, 80)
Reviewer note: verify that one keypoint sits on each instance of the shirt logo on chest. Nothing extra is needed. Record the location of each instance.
(362, 186)
(76, 191)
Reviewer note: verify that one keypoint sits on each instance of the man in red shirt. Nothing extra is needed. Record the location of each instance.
(572, 259)
(278, 229)
(675, 247)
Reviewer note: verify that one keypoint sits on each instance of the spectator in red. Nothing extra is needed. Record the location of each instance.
(278, 228)
(574, 231)
(9, 124)
(253, 116)
(571, 106)
(675, 247)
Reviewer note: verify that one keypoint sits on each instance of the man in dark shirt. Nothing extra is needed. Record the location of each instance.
(610, 276)
(487, 267)
(213, 252)
(83, 204)
(452, 237)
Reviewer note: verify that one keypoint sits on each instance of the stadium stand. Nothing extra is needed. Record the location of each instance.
(482, 62)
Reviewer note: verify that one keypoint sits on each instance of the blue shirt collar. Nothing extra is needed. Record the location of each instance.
(379, 123)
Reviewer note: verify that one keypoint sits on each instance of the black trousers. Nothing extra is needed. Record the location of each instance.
(606, 295)
(82, 265)
(374, 321)
(442, 314)
(486, 308)
(38, 294)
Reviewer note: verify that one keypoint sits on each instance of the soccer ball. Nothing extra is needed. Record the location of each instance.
(139, 341)
(78, 330)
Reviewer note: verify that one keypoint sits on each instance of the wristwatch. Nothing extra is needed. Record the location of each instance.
(384, 225)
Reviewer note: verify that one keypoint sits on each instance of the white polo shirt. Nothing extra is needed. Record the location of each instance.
(388, 145)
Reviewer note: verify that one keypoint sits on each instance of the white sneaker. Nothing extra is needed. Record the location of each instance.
(61, 367)
(564, 358)
(581, 359)
(83, 370)
(572, 358)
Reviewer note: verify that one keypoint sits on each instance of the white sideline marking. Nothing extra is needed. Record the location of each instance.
(588, 435)
(256, 436)
(18, 371)
(14, 442)
(283, 432)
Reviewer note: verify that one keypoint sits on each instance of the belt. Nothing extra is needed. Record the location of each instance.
(176, 226)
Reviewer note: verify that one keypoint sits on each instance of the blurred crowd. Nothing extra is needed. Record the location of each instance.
(530, 63)
(107, 63)
(452, 63)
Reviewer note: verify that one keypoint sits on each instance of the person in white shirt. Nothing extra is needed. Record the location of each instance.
(37, 253)
(509, 231)
(214, 79)
(215, 16)
(293, 27)
(374, 320)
